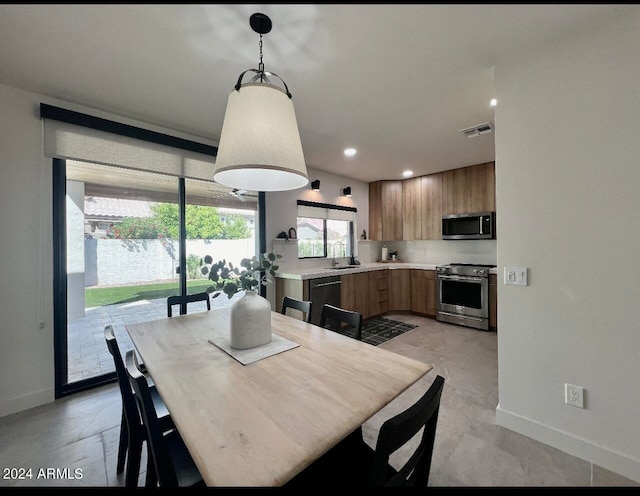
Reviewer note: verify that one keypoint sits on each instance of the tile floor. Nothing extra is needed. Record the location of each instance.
(81, 431)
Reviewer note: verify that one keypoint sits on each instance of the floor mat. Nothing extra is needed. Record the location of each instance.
(377, 330)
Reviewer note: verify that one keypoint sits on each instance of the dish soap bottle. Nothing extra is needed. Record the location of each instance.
(385, 253)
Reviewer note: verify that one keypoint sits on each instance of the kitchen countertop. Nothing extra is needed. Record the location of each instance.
(315, 272)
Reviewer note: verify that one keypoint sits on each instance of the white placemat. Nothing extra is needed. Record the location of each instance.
(277, 345)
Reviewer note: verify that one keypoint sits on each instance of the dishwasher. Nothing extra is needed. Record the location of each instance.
(323, 290)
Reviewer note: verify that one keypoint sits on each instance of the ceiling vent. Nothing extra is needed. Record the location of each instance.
(479, 130)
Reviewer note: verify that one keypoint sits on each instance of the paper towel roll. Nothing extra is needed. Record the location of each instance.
(385, 253)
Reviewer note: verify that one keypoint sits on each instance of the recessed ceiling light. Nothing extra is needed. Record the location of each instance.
(350, 152)
(493, 102)
(407, 173)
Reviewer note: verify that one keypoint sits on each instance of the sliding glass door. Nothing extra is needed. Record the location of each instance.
(119, 254)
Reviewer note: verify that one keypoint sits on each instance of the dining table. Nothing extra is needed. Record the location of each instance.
(262, 423)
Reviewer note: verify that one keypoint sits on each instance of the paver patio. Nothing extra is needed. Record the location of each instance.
(88, 355)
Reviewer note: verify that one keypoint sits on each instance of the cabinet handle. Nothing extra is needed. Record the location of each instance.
(326, 284)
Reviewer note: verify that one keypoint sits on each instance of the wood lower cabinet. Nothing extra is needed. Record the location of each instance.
(378, 293)
(400, 289)
(293, 288)
(423, 292)
(365, 292)
(493, 302)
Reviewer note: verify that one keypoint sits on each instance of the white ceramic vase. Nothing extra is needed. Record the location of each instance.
(250, 321)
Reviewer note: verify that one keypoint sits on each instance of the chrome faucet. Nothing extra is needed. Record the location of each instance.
(344, 251)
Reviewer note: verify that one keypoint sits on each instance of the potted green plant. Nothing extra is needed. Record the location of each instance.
(250, 324)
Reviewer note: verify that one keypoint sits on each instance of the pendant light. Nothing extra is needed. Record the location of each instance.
(260, 147)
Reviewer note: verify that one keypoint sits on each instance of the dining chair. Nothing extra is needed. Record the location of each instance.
(340, 315)
(171, 464)
(303, 306)
(192, 298)
(132, 433)
(352, 463)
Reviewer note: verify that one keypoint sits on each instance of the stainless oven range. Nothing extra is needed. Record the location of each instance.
(462, 294)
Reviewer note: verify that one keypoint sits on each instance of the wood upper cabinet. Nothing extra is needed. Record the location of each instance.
(454, 191)
(385, 211)
(400, 289)
(469, 190)
(375, 211)
(431, 206)
(412, 209)
(481, 188)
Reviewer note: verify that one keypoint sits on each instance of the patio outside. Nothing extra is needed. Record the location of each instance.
(87, 350)
(123, 253)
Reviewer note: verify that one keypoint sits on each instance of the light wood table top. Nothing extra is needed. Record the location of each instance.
(261, 424)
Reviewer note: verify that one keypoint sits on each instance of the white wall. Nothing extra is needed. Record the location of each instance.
(281, 213)
(26, 279)
(568, 182)
(26, 283)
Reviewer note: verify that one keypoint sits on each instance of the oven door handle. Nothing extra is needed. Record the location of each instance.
(462, 278)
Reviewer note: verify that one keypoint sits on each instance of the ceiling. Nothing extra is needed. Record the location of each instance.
(397, 82)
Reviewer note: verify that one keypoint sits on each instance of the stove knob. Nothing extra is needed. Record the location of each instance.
(482, 271)
(475, 271)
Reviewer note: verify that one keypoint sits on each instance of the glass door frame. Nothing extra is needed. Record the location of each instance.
(59, 222)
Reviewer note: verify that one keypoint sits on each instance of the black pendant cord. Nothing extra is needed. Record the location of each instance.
(261, 65)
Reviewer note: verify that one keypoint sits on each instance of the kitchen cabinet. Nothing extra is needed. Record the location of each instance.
(423, 292)
(375, 211)
(493, 302)
(481, 188)
(354, 292)
(469, 190)
(412, 209)
(365, 292)
(431, 206)
(293, 288)
(399, 289)
(385, 211)
(378, 293)
(454, 191)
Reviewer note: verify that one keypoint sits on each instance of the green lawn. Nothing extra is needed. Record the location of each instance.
(97, 297)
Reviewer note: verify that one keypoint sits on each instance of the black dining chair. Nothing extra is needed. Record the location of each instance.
(132, 432)
(192, 298)
(171, 464)
(352, 463)
(340, 316)
(301, 305)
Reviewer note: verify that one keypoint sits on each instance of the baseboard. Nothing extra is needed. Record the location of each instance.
(21, 403)
(576, 446)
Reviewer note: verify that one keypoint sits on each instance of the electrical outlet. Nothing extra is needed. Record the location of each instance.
(574, 395)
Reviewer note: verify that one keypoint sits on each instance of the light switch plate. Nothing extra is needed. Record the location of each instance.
(515, 276)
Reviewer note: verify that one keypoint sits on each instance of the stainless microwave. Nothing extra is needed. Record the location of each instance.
(469, 226)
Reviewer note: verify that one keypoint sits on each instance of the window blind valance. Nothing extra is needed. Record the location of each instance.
(326, 211)
(70, 141)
